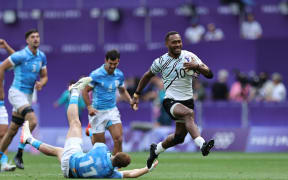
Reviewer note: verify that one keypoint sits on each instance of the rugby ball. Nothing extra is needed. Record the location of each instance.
(189, 72)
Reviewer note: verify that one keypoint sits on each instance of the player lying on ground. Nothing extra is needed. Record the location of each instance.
(97, 163)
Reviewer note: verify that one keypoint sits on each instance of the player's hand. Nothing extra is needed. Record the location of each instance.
(3, 43)
(191, 65)
(38, 85)
(135, 101)
(91, 110)
(153, 166)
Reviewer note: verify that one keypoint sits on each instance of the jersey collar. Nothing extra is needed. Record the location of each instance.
(105, 72)
(30, 52)
(175, 58)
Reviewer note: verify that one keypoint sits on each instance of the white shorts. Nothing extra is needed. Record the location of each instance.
(3, 116)
(104, 118)
(18, 99)
(72, 146)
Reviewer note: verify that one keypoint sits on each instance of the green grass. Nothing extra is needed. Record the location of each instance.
(176, 166)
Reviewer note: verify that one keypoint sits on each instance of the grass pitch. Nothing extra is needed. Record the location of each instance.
(176, 166)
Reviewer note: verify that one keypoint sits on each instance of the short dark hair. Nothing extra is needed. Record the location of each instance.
(169, 34)
(121, 159)
(27, 34)
(112, 54)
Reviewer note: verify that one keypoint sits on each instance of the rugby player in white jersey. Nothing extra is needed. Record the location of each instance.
(176, 69)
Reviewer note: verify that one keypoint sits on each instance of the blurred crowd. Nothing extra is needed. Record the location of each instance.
(244, 87)
(249, 27)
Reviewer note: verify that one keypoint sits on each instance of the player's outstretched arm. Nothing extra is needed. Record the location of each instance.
(85, 95)
(5, 45)
(3, 67)
(205, 70)
(134, 173)
(142, 84)
(125, 95)
(43, 79)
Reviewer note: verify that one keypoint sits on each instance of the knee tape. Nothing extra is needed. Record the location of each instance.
(26, 110)
(17, 120)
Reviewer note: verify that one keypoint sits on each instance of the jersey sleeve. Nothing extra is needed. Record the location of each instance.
(16, 58)
(116, 175)
(94, 75)
(121, 80)
(156, 66)
(44, 61)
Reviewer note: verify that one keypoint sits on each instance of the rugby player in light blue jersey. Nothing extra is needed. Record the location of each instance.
(96, 163)
(103, 112)
(28, 64)
(5, 166)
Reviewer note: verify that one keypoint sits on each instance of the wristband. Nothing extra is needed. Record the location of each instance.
(151, 168)
(1, 103)
(135, 95)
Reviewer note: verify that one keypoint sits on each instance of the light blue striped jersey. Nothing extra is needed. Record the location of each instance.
(104, 87)
(27, 67)
(94, 164)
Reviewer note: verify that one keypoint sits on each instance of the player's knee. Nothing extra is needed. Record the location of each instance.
(188, 114)
(2, 133)
(17, 120)
(27, 111)
(32, 123)
(178, 139)
(75, 124)
(118, 139)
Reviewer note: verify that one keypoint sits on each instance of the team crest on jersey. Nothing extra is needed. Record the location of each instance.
(188, 58)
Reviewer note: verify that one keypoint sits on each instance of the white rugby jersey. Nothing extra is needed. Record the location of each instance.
(177, 84)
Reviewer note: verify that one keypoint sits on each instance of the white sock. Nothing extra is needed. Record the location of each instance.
(199, 141)
(31, 139)
(74, 92)
(159, 148)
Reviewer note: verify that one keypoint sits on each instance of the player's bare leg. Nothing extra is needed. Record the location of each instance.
(182, 112)
(8, 137)
(5, 166)
(31, 117)
(187, 116)
(98, 137)
(116, 132)
(27, 138)
(172, 140)
(73, 119)
(176, 138)
(3, 130)
(75, 129)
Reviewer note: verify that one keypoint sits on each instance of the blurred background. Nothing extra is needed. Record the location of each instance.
(244, 42)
